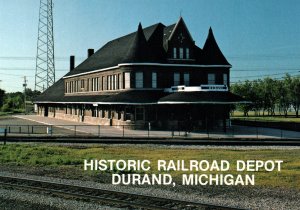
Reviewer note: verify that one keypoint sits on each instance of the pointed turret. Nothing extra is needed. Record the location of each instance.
(138, 48)
(155, 43)
(212, 53)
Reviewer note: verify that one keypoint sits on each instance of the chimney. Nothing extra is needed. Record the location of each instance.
(90, 52)
(72, 62)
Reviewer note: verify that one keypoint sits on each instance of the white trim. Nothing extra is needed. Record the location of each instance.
(90, 72)
(171, 64)
(103, 103)
(154, 103)
(146, 64)
(201, 102)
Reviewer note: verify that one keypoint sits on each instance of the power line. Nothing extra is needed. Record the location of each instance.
(24, 69)
(264, 75)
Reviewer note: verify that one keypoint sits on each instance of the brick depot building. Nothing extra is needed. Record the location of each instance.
(156, 74)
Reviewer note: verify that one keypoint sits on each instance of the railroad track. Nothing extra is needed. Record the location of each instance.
(164, 141)
(114, 198)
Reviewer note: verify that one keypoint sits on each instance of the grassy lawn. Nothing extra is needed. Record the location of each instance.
(69, 160)
(278, 118)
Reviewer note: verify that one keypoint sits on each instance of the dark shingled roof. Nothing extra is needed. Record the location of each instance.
(55, 94)
(122, 97)
(209, 97)
(146, 45)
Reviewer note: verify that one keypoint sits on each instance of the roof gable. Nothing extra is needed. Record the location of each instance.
(180, 25)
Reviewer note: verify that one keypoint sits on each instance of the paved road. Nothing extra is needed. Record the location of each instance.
(64, 127)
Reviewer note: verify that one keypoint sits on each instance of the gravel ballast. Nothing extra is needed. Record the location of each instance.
(241, 197)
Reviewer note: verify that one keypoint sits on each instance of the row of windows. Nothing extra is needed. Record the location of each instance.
(110, 82)
(130, 114)
(115, 82)
(183, 53)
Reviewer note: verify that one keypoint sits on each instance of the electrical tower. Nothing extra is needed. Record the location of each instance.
(45, 68)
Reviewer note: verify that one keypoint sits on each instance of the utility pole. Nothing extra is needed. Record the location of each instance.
(45, 68)
(25, 85)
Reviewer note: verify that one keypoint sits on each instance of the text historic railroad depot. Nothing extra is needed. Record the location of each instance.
(194, 172)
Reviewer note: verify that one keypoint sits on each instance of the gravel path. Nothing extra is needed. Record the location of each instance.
(248, 197)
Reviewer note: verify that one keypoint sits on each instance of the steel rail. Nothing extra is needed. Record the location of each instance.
(105, 196)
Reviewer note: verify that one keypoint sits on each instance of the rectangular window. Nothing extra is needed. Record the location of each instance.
(154, 80)
(108, 83)
(82, 85)
(127, 80)
(66, 87)
(119, 81)
(114, 82)
(93, 84)
(139, 113)
(181, 53)
(97, 84)
(186, 79)
(88, 85)
(225, 79)
(175, 52)
(211, 79)
(176, 79)
(187, 53)
(139, 80)
(102, 83)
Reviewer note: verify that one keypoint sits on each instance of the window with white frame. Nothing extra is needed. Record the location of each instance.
(139, 80)
(115, 82)
(181, 53)
(211, 79)
(127, 80)
(110, 82)
(119, 81)
(82, 85)
(187, 53)
(154, 80)
(176, 79)
(186, 79)
(225, 79)
(175, 52)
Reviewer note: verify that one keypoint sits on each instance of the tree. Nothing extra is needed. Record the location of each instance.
(284, 92)
(2, 94)
(295, 94)
(245, 90)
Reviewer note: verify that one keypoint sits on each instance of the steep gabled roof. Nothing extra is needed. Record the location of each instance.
(179, 23)
(212, 53)
(112, 53)
(147, 45)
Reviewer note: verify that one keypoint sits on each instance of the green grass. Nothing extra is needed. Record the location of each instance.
(278, 118)
(70, 160)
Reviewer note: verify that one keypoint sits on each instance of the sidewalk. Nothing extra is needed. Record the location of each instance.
(113, 131)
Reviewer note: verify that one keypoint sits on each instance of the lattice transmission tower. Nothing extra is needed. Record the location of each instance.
(45, 67)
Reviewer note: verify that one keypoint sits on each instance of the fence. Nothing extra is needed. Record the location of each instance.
(124, 131)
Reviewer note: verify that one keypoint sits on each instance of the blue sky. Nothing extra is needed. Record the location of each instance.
(258, 37)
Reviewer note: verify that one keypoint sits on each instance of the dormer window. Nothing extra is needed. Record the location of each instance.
(187, 53)
(174, 52)
(181, 53)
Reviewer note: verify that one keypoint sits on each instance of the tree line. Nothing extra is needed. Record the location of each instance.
(14, 102)
(268, 94)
